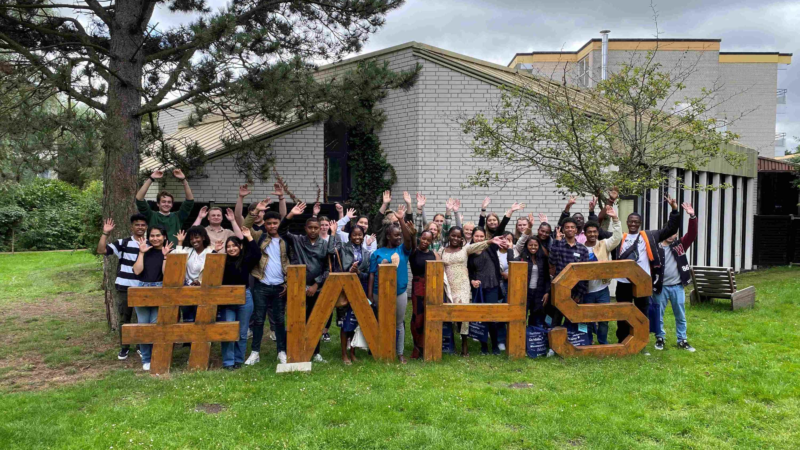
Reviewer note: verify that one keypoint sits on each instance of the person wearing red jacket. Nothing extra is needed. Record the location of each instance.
(670, 278)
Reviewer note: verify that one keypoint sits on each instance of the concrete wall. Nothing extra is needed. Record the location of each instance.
(752, 89)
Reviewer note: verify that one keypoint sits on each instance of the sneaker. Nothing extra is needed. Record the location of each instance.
(146, 367)
(123, 354)
(139, 352)
(326, 337)
(550, 353)
(229, 368)
(645, 352)
(502, 347)
(272, 336)
(685, 345)
(249, 333)
(252, 359)
(282, 357)
(659, 343)
(318, 359)
(237, 366)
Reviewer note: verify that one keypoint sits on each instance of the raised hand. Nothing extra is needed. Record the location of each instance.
(144, 246)
(277, 189)
(559, 234)
(688, 208)
(407, 197)
(317, 208)
(298, 209)
(517, 207)
(180, 236)
(542, 218)
(263, 205)
(387, 197)
(613, 195)
(499, 241)
(530, 221)
(244, 191)
(108, 226)
(456, 205)
(166, 248)
(449, 204)
(592, 203)
(672, 202)
(229, 215)
(486, 202)
(610, 212)
(203, 212)
(351, 213)
(178, 173)
(332, 224)
(571, 201)
(339, 207)
(421, 199)
(157, 174)
(218, 245)
(246, 233)
(371, 238)
(401, 212)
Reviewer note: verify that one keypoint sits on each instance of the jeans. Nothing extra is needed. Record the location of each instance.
(677, 296)
(599, 328)
(146, 314)
(233, 352)
(491, 296)
(268, 298)
(625, 294)
(125, 313)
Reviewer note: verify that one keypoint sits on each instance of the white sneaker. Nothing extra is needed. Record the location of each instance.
(550, 353)
(502, 347)
(252, 359)
(139, 352)
(318, 359)
(146, 367)
(249, 333)
(282, 357)
(272, 336)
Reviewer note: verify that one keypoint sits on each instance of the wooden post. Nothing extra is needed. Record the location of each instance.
(434, 297)
(517, 299)
(387, 307)
(561, 295)
(166, 331)
(296, 314)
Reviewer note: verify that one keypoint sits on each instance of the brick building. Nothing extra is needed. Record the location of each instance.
(423, 142)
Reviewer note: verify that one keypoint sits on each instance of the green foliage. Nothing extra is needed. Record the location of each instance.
(619, 134)
(50, 215)
(373, 174)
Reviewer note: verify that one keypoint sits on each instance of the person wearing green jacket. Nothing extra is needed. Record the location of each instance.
(172, 221)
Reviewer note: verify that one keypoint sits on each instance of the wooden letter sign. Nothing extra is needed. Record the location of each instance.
(437, 312)
(560, 295)
(167, 331)
(302, 336)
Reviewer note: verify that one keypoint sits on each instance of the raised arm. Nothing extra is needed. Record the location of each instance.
(421, 221)
(387, 198)
(244, 191)
(456, 207)
(283, 228)
(108, 227)
(674, 222)
(691, 234)
(401, 218)
(157, 174)
(200, 216)
(177, 173)
(484, 205)
(616, 229)
(234, 226)
(144, 247)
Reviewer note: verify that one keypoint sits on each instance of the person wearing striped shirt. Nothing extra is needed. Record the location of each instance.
(127, 251)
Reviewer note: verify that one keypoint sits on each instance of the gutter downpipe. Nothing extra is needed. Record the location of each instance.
(604, 34)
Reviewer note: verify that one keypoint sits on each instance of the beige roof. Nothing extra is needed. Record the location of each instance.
(209, 133)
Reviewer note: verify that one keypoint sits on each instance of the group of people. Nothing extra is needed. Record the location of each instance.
(259, 246)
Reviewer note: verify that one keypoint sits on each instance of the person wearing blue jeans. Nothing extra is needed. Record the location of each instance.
(676, 296)
(233, 352)
(599, 328)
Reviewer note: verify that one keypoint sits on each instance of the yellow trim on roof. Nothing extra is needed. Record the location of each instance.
(774, 58)
(616, 45)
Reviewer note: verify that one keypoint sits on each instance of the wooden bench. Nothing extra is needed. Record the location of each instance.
(719, 282)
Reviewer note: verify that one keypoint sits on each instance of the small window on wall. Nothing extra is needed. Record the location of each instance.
(335, 181)
(584, 72)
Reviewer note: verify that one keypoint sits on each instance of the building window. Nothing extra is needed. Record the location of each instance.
(584, 70)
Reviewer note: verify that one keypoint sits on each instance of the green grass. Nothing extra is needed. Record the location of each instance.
(31, 276)
(741, 389)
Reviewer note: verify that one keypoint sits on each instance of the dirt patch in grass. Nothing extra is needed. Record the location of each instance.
(209, 408)
(520, 386)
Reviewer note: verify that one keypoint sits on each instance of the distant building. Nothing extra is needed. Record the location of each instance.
(750, 79)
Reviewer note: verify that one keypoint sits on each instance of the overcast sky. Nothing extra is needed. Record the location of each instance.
(496, 30)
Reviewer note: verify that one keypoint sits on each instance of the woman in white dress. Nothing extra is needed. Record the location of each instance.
(454, 257)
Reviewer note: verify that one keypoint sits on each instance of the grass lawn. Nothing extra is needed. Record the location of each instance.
(741, 389)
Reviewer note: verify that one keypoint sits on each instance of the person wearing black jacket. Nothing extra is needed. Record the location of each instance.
(537, 257)
(242, 257)
(311, 250)
(351, 257)
(641, 246)
(485, 277)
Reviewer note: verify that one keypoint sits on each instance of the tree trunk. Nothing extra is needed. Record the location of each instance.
(122, 133)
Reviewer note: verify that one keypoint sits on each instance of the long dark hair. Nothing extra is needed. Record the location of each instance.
(237, 242)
